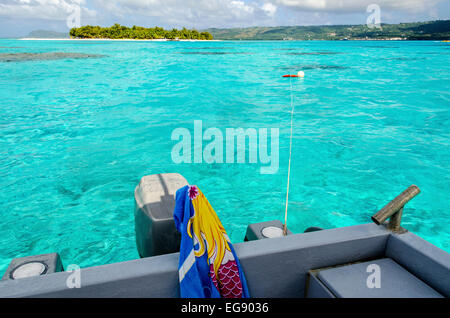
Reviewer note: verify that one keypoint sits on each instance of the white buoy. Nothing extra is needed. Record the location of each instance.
(301, 74)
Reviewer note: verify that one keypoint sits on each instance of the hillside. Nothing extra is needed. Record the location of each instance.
(44, 34)
(433, 30)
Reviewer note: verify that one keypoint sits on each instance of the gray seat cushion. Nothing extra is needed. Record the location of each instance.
(350, 281)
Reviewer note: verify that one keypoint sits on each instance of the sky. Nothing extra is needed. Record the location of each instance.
(19, 17)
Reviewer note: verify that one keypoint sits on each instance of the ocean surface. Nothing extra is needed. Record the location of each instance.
(78, 130)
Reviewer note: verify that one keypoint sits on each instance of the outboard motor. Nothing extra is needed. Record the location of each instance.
(154, 204)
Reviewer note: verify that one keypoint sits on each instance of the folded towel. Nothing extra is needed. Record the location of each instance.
(208, 266)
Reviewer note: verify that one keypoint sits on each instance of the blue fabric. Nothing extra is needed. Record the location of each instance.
(196, 282)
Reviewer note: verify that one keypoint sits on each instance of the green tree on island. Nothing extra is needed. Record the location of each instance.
(118, 31)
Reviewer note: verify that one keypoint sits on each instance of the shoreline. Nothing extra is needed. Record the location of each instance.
(122, 40)
(184, 40)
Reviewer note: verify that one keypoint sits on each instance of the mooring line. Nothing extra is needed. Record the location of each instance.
(290, 155)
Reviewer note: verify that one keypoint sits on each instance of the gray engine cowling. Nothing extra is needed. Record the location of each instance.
(154, 204)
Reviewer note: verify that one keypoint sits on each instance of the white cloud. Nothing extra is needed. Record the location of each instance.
(269, 8)
(240, 6)
(358, 5)
(201, 13)
(212, 13)
(42, 9)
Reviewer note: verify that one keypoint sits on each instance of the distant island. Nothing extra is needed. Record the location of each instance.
(432, 30)
(44, 34)
(118, 31)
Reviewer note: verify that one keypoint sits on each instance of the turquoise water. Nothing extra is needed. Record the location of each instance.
(371, 118)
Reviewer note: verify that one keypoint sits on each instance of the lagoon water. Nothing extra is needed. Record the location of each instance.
(77, 132)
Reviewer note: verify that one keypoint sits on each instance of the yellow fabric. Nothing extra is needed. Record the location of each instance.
(206, 226)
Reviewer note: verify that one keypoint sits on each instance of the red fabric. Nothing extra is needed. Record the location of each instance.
(229, 283)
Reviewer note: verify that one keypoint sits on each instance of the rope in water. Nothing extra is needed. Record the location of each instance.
(290, 155)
